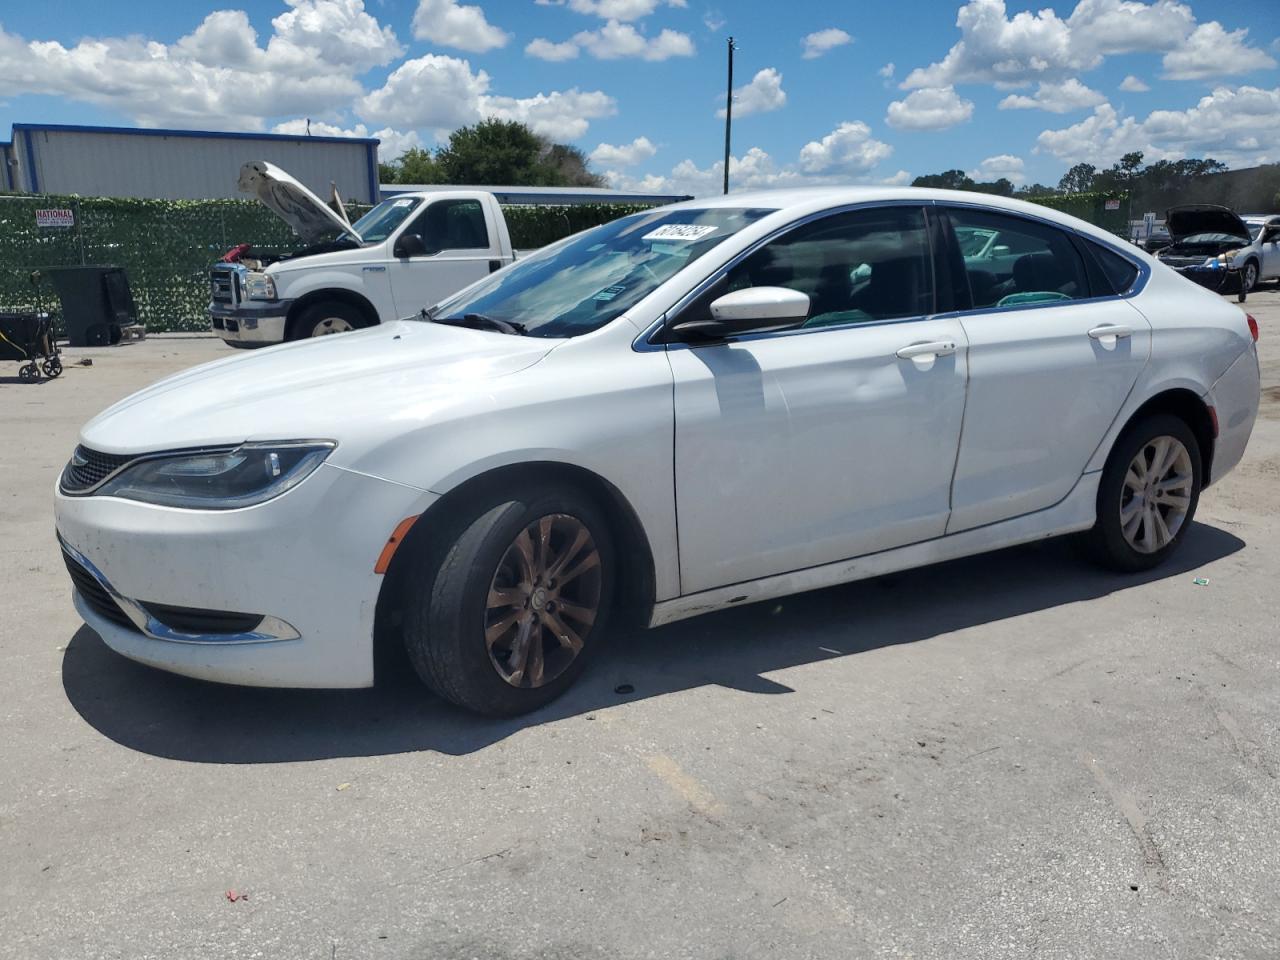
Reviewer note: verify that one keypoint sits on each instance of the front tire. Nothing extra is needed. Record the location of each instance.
(1147, 496)
(328, 317)
(511, 609)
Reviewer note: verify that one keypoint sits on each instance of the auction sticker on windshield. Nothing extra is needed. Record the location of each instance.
(688, 232)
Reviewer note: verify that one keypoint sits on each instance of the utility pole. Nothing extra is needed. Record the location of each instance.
(728, 115)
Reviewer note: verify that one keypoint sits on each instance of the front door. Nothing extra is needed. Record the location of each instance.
(460, 249)
(833, 440)
(1051, 361)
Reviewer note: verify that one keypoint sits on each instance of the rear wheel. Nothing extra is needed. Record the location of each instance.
(1148, 494)
(510, 611)
(328, 317)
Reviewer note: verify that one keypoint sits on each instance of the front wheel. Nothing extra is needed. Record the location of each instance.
(511, 610)
(1147, 496)
(323, 319)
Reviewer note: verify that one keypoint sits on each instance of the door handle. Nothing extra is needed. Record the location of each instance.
(934, 348)
(1110, 330)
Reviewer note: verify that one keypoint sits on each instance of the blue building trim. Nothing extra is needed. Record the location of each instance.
(203, 134)
(33, 180)
(373, 172)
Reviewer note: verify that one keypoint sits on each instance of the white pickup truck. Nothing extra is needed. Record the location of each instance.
(408, 252)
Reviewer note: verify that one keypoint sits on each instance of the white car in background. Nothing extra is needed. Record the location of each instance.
(701, 406)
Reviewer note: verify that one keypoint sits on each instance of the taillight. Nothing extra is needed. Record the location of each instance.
(1253, 326)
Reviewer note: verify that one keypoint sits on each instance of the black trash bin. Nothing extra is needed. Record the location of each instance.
(96, 303)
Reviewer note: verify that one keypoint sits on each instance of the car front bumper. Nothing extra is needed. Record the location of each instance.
(1218, 279)
(303, 562)
(258, 322)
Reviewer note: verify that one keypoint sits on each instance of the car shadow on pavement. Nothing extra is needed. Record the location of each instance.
(176, 717)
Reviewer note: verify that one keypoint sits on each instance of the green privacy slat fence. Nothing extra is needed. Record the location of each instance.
(167, 246)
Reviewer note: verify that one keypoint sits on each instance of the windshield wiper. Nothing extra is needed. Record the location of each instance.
(479, 321)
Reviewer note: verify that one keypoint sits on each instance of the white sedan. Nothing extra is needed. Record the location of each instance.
(703, 405)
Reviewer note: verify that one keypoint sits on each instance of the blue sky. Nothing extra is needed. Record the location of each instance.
(853, 92)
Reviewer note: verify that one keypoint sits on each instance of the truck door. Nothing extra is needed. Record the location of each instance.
(457, 248)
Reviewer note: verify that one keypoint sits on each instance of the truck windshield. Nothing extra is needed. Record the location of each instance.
(582, 283)
(380, 222)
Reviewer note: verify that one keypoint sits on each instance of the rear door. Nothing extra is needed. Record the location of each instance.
(1053, 353)
(462, 245)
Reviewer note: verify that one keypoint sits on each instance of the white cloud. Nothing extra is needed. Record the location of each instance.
(216, 75)
(1211, 51)
(464, 27)
(544, 49)
(1055, 97)
(625, 155)
(1132, 84)
(849, 149)
(615, 41)
(714, 20)
(931, 108)
(392, 142)
(558, 115)
(899, 179)
(763, 94)
(886, 71)
(1239, 126)
(1028, 47)
(818, 43)
(613, 9)
(1005, 165)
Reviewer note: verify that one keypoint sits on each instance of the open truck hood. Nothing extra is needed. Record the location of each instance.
(293, 203)
(1197, 218)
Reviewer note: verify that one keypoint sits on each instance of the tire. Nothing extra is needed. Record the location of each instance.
(1145, 544)
(327, 317)
(463, 629)
(1249, 277)
(52, 367)
(241, 345)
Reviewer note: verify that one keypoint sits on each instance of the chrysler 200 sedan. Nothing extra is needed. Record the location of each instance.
(699, 406)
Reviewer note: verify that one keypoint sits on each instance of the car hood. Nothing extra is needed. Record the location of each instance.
(308, 215)
(332, 388)
(1204, 218)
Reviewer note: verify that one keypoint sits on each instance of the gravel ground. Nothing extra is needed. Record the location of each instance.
(1009, 756)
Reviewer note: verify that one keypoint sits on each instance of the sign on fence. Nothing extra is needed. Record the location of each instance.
(1112, 205)
(55, 218)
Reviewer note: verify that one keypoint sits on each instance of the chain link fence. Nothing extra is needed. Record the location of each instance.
(167, 246)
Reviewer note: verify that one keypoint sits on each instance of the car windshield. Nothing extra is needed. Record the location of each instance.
(972, 240)
(380, 222)
(582, 283)
(1212, 238)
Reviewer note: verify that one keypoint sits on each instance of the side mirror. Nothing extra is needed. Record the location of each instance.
(751, 310)
(412, 245)
(1271, 234)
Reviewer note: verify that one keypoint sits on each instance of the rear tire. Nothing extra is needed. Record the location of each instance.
(1147, 496)
(325, 318)
(491, 628)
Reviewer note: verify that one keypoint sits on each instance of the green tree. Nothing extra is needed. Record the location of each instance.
(1079, 179)
(568, 167)
(950, 180)
(494, 152)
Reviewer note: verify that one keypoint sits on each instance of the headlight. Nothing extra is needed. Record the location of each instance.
(219, 479)
(259, 286)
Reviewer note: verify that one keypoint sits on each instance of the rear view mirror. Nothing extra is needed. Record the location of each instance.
(412, 245)
(751, 310)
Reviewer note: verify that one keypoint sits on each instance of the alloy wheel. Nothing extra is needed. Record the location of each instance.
(543, 600)
(330, 325)
(1250, 276)
(1156, 495)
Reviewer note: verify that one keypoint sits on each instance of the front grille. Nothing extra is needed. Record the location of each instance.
(88, 468)
(194, 620)
(222, 285)
(92, 592)
(1182, 261)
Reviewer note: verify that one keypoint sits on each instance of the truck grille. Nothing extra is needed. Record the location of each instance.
(223, 283)
(88, 468)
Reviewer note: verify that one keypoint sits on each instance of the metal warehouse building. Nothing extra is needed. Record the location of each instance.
(177, 164)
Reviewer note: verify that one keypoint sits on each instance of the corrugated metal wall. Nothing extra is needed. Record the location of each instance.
(173, 165)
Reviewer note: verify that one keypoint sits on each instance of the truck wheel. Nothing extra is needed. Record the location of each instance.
(322, 319)
(512, 603)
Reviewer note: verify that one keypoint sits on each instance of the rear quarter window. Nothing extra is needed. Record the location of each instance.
(1121, 273)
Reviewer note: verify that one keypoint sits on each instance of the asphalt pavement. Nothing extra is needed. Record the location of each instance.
(1010, 756)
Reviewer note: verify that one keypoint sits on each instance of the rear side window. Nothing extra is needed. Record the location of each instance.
(1121, 274)
(1018, 262)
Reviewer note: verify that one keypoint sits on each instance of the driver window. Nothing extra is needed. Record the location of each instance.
(452, 225)
(856, 267)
